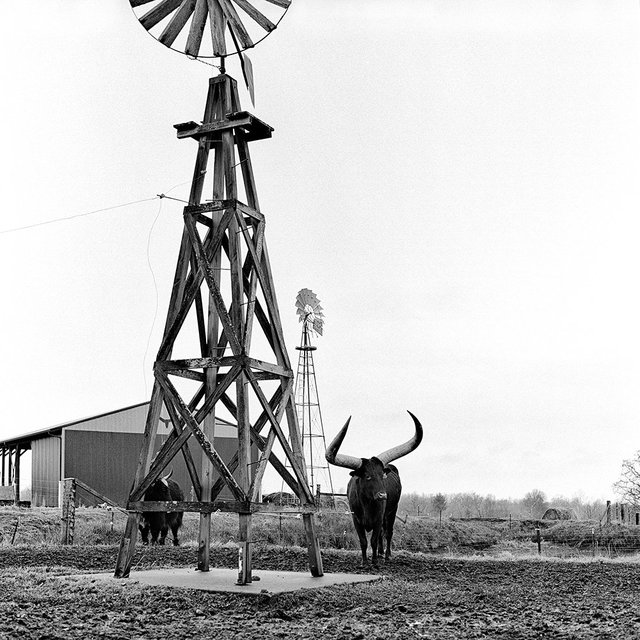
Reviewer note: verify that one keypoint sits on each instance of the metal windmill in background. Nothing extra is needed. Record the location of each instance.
(311, 316)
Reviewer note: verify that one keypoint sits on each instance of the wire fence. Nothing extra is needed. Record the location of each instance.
(613, 534)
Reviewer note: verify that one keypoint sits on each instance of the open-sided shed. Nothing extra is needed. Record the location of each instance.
(101, 451)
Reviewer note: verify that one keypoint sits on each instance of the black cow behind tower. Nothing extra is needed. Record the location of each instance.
(374, 490)
(158, 523)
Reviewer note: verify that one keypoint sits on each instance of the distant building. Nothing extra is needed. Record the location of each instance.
(101, 451)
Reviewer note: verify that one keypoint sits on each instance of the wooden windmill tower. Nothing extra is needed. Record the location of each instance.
(223, 291)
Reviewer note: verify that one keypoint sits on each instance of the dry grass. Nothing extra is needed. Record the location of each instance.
(566, 539)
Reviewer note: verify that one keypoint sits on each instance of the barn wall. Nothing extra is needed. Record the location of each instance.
(107, 461)
(45, 471)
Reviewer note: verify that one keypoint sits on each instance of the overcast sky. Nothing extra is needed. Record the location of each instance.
(457, 180)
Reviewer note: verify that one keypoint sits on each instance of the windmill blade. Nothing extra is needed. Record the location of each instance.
(260, 18)
(179, 20)
(307, 297)
(196, 30)
(310, 310)
(236, 25)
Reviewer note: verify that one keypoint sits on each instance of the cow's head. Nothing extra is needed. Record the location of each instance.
(369, 477)
(370, 472)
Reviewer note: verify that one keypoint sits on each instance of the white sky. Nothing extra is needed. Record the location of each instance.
(458, 181)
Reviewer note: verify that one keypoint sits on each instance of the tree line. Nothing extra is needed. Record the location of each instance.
(473, 505)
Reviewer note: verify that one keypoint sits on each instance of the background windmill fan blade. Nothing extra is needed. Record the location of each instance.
(310, 310)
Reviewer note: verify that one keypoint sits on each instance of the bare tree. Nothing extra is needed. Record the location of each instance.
(535, 502)
(439, 503)
(413, 503)
(628, 487)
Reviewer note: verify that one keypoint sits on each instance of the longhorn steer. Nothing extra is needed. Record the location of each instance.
(374, 490)
(159, 522)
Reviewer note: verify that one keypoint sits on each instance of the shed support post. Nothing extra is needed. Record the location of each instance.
(16, 479)
(10, 465)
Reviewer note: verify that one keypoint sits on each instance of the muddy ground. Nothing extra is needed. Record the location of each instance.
(421, 597)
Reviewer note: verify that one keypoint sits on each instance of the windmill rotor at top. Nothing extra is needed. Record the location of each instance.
(210, 28)
(309, 311)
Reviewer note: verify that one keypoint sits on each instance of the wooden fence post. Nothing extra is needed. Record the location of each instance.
(538, 540)
(68, 510)
(608, 520)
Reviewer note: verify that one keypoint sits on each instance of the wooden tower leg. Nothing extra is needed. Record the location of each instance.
(127, 547)
(315, 559)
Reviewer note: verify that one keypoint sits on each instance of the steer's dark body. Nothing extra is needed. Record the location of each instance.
(374, 489)
(371, 511)
(159, 522)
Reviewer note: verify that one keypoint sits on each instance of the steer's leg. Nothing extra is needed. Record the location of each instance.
(174, 530)
(362, 536)
(144, 532)
(388, 525)
(376, 543)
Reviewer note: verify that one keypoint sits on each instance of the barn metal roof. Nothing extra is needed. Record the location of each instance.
(26, 439)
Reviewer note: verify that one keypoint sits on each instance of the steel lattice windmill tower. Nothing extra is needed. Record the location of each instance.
(314, 444)
(223, 350)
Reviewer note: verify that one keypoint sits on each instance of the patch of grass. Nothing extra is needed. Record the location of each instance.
(425, 534)
(585, 534)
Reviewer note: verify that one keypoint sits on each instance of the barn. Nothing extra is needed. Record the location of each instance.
(102, 451)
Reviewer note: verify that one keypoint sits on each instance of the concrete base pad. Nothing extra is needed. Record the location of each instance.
(224, 580)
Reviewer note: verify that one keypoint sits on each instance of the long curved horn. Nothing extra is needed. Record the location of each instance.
(403, 449)
(340, 459)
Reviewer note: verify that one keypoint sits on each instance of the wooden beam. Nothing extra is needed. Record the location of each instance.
(196, 30)
(216, 295)
(177, 22)
(196, 363)
(186, 453)
(225, 506)
(235, 24)
(193, 286)
(158, 13)
(275, 369)
(85, 487)
(204, 442)
(216, 21)
(169, 450)
(246, 125)
(293, 459)
(261, 19)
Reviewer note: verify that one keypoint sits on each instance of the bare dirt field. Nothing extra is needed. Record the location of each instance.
(422, 596)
